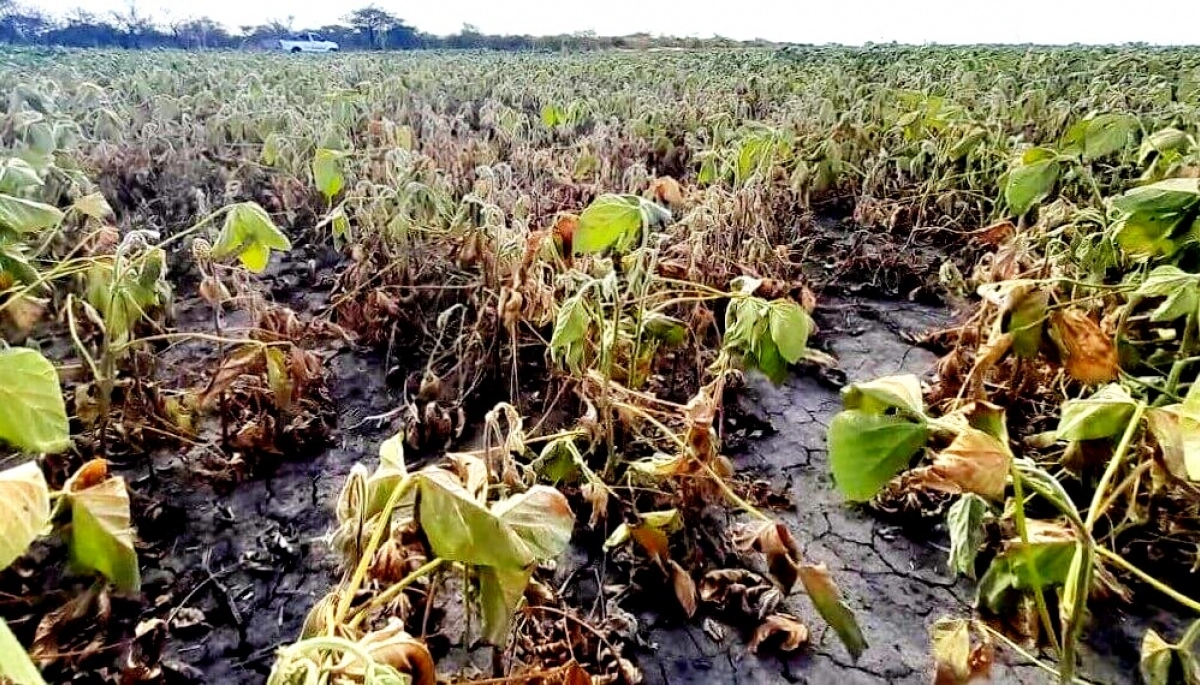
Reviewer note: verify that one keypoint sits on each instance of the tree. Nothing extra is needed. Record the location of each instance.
(374, 24)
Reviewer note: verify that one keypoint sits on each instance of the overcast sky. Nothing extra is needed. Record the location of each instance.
(814, 21)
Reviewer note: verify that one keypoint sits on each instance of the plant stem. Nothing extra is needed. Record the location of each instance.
(1039, 596)
(1114, 465)
(393, 590)
(360, 572)
(1149, 579)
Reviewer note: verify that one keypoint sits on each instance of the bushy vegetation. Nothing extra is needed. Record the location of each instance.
(573, 261)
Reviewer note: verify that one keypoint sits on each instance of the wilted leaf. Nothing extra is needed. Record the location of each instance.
(652, 541)
(24, 510)
(1181, 290)
(327, 172)
(1026, 321)
(1176, 429)
(387, 475)
(1155, 216)
(666, 190)
(667, 329)
(33, 416)
(102, 535)
(1157, 659)
(956, 660)
(1103, 415)
(500, 592)
(16, 175)
(787, 628)
(460, 529)
(93, 205)
(867, 450)
(890, 392)
(15, 665)
(965, 521)
(1051, 547)
(1028, 184)
(827, 598)
(775, 541)
(685, 587)
(1108, 134)
(789, 325)
(26, 216)
(278, 378)
(250, 234)
(606, 221)
(974, 462)
(1087, 353)
(541, 517)
(394, 648)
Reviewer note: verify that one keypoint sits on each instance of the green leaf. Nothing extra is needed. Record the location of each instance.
(33, 416)
(387, 475)
(1029, 184)
(1011, 571)
(24, 510)
(552, 115)
(667, 329)
(461, 529)
(570, 328)
(1155, 216)
(327, 172)
(965, 521)
(15, 266)
(16, 175)
(606, 221)
(789, 326)
(500, 592)
(1181, 290)
(1103, 415)
(867, 450)
(541, 517)
(250, 234)
(901, 392)
(1027, 321)
(827, 598)
(1108, 134)
(101, 534)
(1165, 140)
(26, 216)
(769, 360)
(15, 664)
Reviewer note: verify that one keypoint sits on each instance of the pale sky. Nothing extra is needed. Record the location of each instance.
(814, 21)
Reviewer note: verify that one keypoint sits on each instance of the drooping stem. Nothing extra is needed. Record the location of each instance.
(1039, 596)
(382, 525)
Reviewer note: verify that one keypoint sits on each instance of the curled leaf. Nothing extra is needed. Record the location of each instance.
(975, 462)
(787, 628)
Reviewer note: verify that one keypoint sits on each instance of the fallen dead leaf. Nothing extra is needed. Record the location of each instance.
(685, 587)
(787, 628)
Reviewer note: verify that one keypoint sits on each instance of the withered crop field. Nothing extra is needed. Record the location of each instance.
(855, 365)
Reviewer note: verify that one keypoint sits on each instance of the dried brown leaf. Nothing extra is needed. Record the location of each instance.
(790, 632)
(975, 462)
(653, 541)
(1088, 354)
(685, 587)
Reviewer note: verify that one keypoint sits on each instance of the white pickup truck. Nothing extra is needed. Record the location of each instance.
(308, 42)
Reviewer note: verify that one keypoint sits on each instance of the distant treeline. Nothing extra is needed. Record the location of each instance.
(369, 28)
